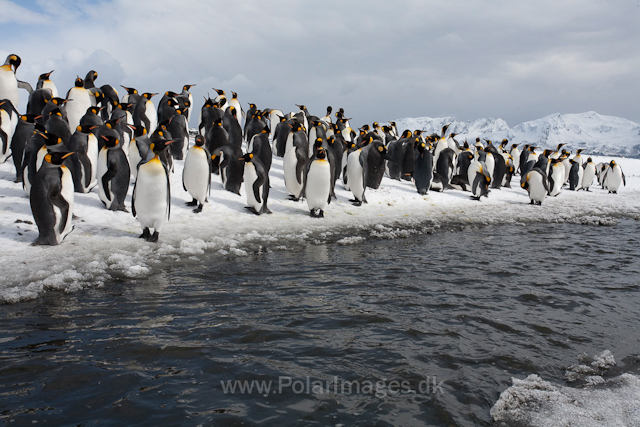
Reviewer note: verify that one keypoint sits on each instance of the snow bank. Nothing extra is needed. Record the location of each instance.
(535, 402)
(105, 245)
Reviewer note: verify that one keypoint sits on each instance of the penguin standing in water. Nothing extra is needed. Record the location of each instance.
(113, 174)
(318, 183)
(256, 183)
(85, 144)
(52, 199)
(78, 101)
(196, 175)
(151, 201)
(589, 174)
(613, 177)
(536, 183)
(423, 170)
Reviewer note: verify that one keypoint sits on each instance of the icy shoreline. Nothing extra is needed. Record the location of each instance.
(104, 244)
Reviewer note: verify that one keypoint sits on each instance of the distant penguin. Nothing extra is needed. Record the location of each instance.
(230, 167)
(295, 161)
(613, 177)
(24, 130)
(131, 97)
(423, 170)
(233, 102)
(8, 123)
(318, 180)
(52, 199)
(256, 184)
(515, 153)
(113, 174)
(186, 101)
(556, 177)
(84, 144)
(589, 174)
(479, 179)
(196, 175)
(575, 174)
(151, 200)
(78, 100)
(536, 184)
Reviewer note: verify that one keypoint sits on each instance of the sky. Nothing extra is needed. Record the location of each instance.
(515, 60)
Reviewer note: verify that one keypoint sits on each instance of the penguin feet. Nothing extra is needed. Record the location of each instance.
(294, 198)
(356, 203)
(316, 213)
(123, 209)
(154, 237)
(146, 233)
(194, 202)
(266, 210)
(198, 209)
(251, 209)
(475, 198)
(532, 203)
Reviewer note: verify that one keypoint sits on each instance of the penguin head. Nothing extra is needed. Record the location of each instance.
(130, 90)
(234, 95)
(45, 76)
(57, 158)
(29, 118)
(219, 91)
(93, 110)
(55, 112)
(159, 145)
(91, 76)
(252, 105)
(86, 128)
(513, 146)
(111, 124)
(170, 94)
(199, 140)
(613, 163)
(110, 141)
(13, 61)
(301, 107)
(59, 101)
(232, 111)
(321, 153)
(589, 160)
(149, 95)
(247, 158)
(79, 82)
(406, 134)
(444, 129)
(187, 87)
(51, 139)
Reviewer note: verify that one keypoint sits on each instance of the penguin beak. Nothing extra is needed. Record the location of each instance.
(68, 154)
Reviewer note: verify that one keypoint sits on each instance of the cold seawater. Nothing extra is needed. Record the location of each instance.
(425, 330)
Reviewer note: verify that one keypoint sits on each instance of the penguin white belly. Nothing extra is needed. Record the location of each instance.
(236, 104)
(92, 154)
(76, 107)
(52, 87)
(152, 115)
(9, 86)
(355, 175)
(134, 158)
(250, 176)
(313, 134)
(223, 171)
(101, 170)
(290, 164)
(474, 169)
(537, 192)
(613, 179)
(490, 164)
(67, 193)
(440, 145)
(557, 173)
(318, 184)
(589, 174)
(567, 169)
(151, 195)
(195, 174)
(345, 181)
(6, 126)
(580, 176)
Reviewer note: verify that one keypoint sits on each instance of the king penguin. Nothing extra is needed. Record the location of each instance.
(113, 174)
(589, 174)
(8, 123)
(614, 177)
(479, 179)
(196, 175)
(78, 101)
(256, 184)
(85, 144)
(151, 201)
(317, 190)
(9, 84)
(536, 183)
(52, 199)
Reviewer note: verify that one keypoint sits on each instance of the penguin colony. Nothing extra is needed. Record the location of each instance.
(95, 138)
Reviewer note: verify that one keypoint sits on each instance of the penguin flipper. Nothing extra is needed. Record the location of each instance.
(624, 181)
(300, 165)
(257, 184)
(133, 199)
(59, 201)
(108, 176)
(86, 166)
(25, 85)
(166, 173)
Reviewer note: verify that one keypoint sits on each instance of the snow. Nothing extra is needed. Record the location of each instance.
(600, 402)
(104, 244)
(593, 132)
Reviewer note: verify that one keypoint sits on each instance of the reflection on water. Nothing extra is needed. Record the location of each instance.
(424, 330)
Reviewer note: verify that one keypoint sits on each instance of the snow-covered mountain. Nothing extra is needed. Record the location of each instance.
(597, 134)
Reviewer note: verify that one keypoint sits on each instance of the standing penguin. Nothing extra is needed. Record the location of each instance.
(145, 114)
(24, 130)
(196, 175)
(256, 184)
(295, 161)
(575, 174)
(9, 84)
(536, 183)
(318, 183)
(52, 199)
(556, 177)
(78, 101)
(8, 124)
(185, 99)
(151, 200)
(589, 174)
(613, 177)
(423, 170)
(233, 102)
(356, 176)
(231, 169)
(113, 174)
(85, 144)
(479, 179)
